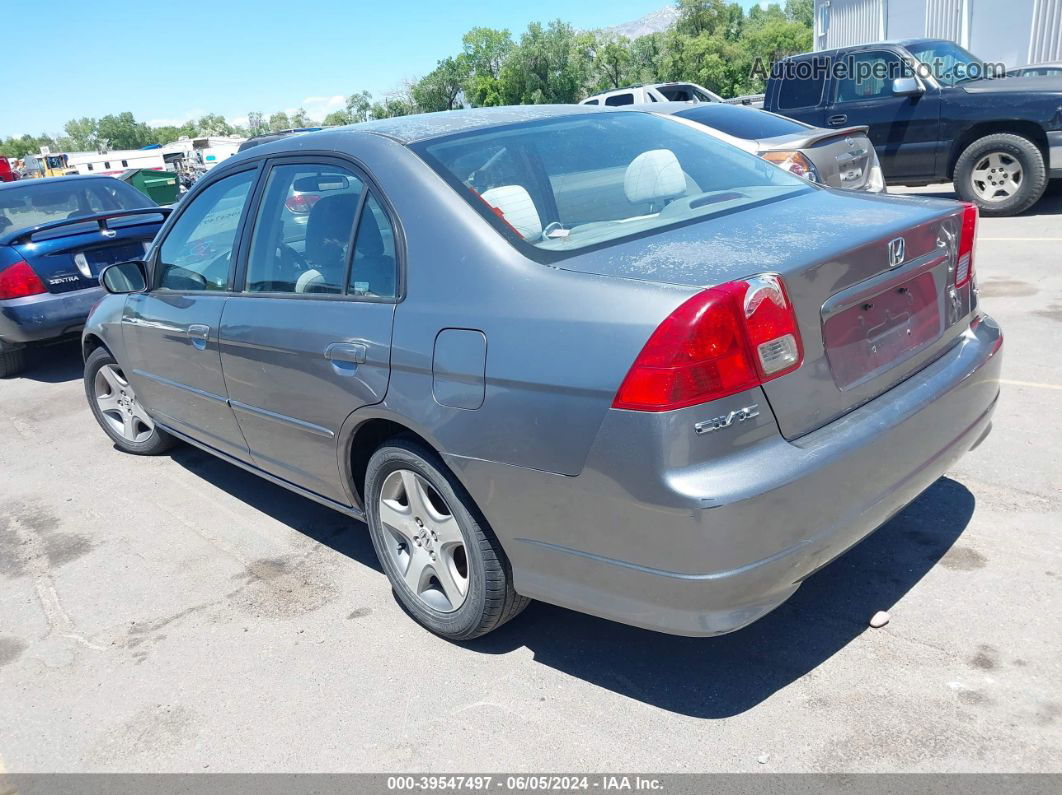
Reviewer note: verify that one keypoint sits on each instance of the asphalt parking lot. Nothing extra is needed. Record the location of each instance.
(179, 614)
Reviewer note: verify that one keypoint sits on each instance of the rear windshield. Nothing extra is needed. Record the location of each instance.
(742, 122)
(41, 201)
(561, 185)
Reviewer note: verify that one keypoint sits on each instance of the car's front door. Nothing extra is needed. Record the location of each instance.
(171, 330)
(308, 339)
(904, 129)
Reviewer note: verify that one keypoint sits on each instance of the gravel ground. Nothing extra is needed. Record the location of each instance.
(179, 614)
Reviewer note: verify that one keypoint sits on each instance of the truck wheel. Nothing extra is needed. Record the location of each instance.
(12, 361)
(1002, 174)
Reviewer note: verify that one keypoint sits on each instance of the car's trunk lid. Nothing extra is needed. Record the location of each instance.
(843, 157)
(865, 324)
(70, 256)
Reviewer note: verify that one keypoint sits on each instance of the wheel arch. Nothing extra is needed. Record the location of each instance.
(89, 343)
(362, 434)
(1029, 130)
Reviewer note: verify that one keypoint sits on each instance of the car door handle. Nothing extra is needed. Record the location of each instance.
(838, 120)
(352, 352)
(199, 333)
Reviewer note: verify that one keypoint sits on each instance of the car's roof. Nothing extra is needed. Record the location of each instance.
(422, 126)
(867, 45)
(23, 183)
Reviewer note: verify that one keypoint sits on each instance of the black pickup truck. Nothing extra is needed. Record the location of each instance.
(934, 116)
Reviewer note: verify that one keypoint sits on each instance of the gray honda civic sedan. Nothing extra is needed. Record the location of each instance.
(593, 357)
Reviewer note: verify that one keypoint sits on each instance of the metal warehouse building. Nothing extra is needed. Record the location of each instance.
(1014, 32)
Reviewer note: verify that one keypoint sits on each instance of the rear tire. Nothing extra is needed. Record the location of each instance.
(434, 542)
(1003, 174)
(117, 410)
(12, 362)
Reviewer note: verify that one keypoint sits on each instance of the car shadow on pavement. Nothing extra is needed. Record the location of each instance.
(54, 364)
(728, 675)
(344, 534)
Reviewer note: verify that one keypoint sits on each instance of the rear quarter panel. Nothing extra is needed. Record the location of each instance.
(558, 343)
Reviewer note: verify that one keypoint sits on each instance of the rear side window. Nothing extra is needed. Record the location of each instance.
(195, 254)
(620, 99)
(742, 122)
(592, 102)
(801, 82)
(303, 233)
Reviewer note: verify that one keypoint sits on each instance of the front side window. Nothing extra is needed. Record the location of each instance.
(303, 233)
(574, 181)
(196, 253)
(869, 75)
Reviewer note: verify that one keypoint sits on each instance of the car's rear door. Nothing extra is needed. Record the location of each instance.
(904, 130)
(798, 88)
(171, 330)
(308, 338)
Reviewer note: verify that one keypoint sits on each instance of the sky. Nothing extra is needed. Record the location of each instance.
(169, 62)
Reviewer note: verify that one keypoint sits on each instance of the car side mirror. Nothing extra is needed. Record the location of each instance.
(907, 87)
(124, 277)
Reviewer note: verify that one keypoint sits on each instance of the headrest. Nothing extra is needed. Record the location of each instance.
(328, 229)
(654, 176)
(516, 207)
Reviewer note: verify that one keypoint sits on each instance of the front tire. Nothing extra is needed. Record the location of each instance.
(445, 565)
(115, 406)
(1002, 174)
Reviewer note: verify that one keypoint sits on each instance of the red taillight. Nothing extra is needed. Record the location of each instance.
(964, 266)
(722, 341)
(301, 203)
(19, 281)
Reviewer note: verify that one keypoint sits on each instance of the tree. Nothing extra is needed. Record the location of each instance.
(613, 62)
(123, 132)
(485, 51)
(551, 64)
(82, 134)
(359, 105)
(441, 88)
(255, 122)
(166, 134)
(337, 118)
(300, 119)
(801, 11)
(279, 121)
(213, 124)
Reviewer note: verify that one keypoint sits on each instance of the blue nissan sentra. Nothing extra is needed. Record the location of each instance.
(56, 234)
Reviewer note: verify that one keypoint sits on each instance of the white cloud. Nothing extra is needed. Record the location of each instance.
(177, 121)
(319, 107)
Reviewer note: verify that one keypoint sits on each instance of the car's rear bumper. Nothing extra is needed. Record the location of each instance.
(47, 316)
(723, 543)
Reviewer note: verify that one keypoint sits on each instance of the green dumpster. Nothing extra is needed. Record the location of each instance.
(160, 186)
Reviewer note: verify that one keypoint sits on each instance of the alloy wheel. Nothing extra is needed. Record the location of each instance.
(424, 540)
(119, 407)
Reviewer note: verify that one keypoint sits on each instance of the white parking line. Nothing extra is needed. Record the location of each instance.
(1009, 382)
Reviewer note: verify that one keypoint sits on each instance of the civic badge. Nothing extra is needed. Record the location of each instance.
(896, 252)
